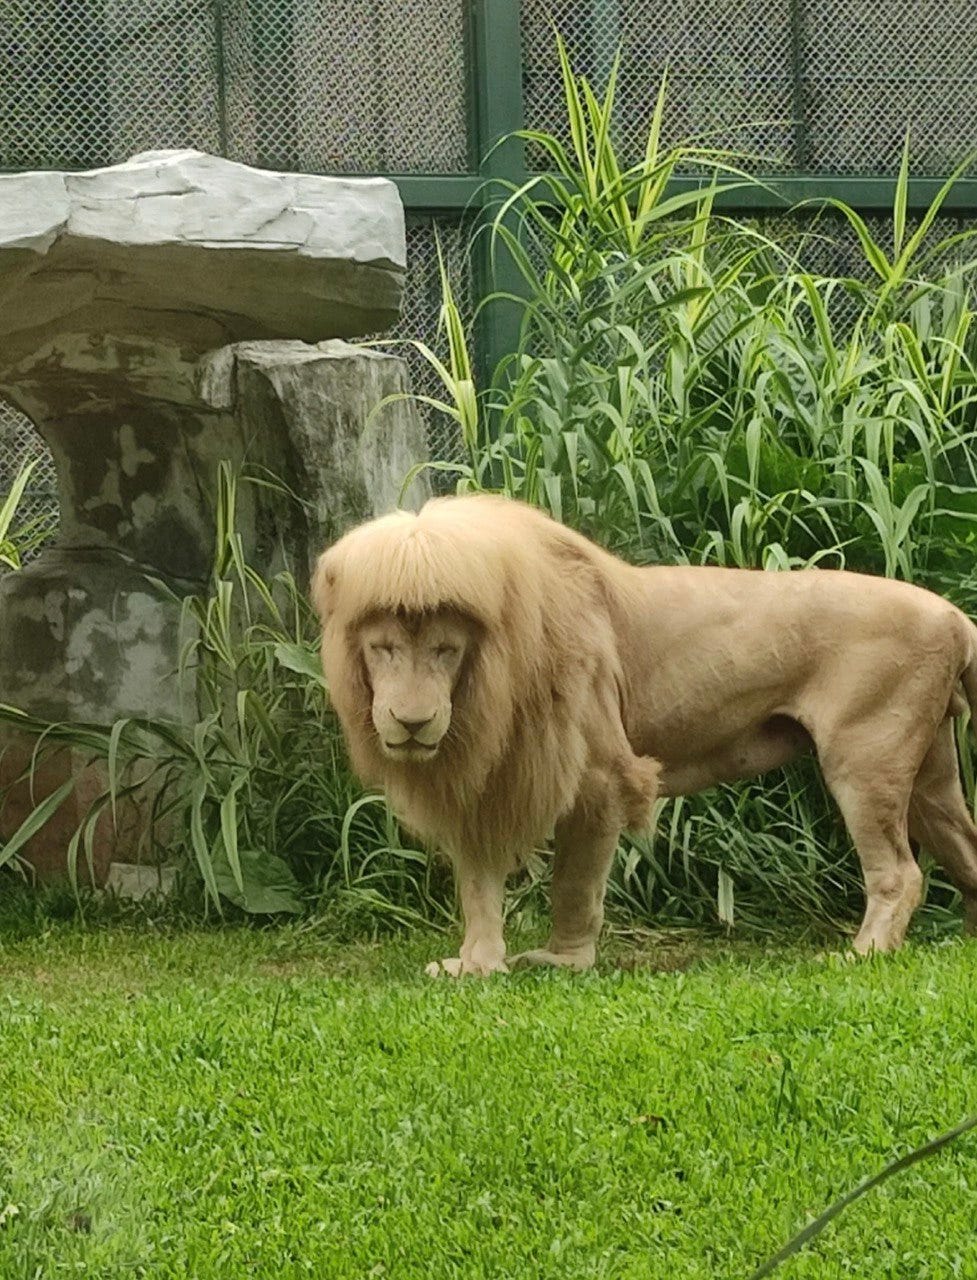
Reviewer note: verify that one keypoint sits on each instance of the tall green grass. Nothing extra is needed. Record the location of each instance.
(688, 390)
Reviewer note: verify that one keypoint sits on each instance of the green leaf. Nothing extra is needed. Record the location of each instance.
(35, 820)
(202, 851)
(12, 500)
(268, 886)
(900, 200)
(874, 255)
(115, 737)
(724, 897)
(300, 659)
(229, 831)
(909, 511)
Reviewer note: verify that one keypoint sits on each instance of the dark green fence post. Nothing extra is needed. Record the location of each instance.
(798, 103)
(496, 71)
(220, 76)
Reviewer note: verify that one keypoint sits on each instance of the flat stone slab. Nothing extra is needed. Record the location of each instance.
(136, 882)
(193, 248)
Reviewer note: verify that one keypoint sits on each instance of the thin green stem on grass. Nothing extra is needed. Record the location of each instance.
(906, 1161)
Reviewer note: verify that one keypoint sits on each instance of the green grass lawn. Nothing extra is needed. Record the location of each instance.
(237, 1103)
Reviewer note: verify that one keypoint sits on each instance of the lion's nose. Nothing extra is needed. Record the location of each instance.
(413, 727)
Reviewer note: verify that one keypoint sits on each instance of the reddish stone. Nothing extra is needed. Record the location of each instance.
(26, 780)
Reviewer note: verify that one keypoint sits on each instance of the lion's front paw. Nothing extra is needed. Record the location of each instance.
(456, 967)
(577, 960)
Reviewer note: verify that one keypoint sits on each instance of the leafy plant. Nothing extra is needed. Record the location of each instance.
(17, 540)
(688, 389)
(253, 799)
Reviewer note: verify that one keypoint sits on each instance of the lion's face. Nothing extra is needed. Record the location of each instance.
(413, 665)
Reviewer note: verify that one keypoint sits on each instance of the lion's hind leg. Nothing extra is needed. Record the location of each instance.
(874, 803)
(940, 820)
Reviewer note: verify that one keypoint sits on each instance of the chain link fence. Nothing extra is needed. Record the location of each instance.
(871, 69)
(811, 86)
(827, 86)
(345, 85)
(324, 86)
(85, 84)
(367, 86)
(729, 69)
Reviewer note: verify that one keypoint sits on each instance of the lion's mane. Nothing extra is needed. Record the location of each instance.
(540, 700)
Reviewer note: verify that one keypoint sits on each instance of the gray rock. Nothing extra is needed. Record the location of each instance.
(198, 249)
(309, 402)
(88, 637)
(155, 321)
(135, 882)
(89, 631)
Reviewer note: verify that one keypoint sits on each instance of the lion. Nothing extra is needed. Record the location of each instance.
(505, 680)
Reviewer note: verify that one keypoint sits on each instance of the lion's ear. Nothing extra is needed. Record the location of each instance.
(323, 586)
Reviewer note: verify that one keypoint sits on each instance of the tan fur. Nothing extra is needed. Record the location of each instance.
(582, 671)
(536, 723)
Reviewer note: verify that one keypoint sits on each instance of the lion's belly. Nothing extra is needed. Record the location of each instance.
(756, 750)
(725, 666)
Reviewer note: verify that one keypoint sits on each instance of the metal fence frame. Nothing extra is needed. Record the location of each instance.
(496, 78)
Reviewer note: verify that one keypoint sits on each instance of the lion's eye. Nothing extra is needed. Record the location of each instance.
(382, 650)
(446, 651)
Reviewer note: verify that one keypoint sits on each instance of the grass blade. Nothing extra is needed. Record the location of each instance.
(818, 1225)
